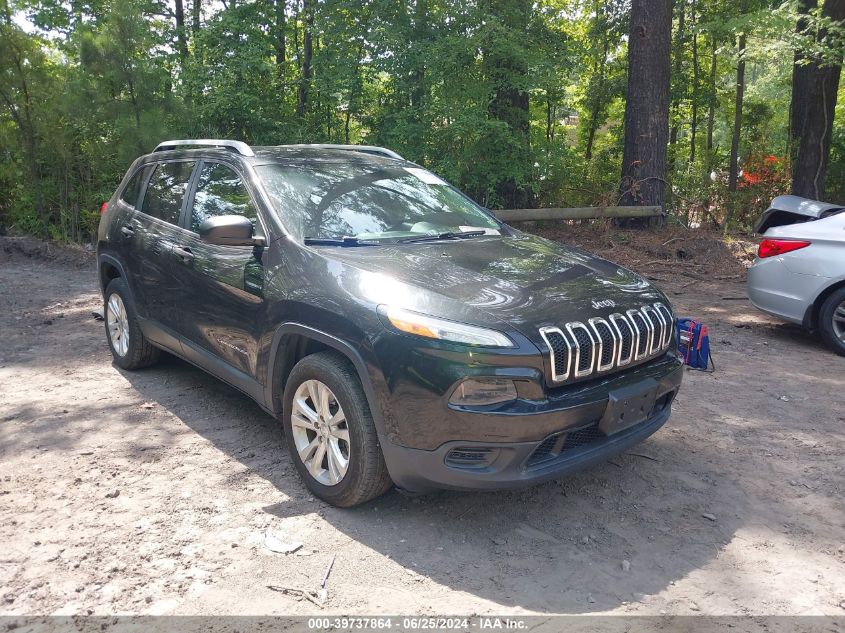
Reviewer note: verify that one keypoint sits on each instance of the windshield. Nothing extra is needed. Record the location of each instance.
(369, 202)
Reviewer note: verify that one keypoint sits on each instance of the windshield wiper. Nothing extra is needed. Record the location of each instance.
(345, 241)
(450, 235)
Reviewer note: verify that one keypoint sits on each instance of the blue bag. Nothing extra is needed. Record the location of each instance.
(694, 344)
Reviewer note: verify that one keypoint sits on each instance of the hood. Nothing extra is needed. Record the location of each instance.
(522, 282)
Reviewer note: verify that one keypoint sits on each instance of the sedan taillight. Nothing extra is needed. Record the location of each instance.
(771, 248)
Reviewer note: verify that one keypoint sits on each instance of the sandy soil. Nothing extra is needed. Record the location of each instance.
(152, 492)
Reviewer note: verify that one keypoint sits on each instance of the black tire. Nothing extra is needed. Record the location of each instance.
(366, 477)
(140, 352)
(826, 321)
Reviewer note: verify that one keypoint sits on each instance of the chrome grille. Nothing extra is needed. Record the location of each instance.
(584, 347)
(603, 344)
(607, 351)
(627, 338)
(645, 333)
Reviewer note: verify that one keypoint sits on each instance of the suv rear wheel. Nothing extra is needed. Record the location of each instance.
(330, 432)
(832, 321)
(129, 347)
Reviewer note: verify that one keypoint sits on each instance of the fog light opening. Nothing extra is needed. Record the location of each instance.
(471, 458)
(484, 391)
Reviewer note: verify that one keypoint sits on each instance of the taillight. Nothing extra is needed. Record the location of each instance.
(771, 248)
(103, 207)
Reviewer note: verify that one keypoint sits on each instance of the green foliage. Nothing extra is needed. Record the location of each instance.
(515, 102)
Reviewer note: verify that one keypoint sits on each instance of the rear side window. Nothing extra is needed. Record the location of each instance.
(166, 191)
(133, 188)
(220, 191)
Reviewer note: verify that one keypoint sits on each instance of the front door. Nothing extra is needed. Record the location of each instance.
(221, 298)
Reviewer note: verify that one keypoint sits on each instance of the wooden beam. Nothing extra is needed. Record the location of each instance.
(579, 213)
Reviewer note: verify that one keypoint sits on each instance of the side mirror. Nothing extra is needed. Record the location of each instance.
(229, 230)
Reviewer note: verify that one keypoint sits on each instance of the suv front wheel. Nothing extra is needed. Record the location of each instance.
(129, 346)
(330, 432)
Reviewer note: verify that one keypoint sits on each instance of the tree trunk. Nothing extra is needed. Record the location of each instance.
(677, 77)
(598, 101)
(733, 167)
(280, 37)
(196, 7)
(711, 101)
(307, 52)
(801, 74)
(133, 97)
(596, 111)
(647, 105)
(695, 79)
(181, 36)
(421, 33)
(354, 92)
(591, 132)
(509, 102)
(817, 110)
(733, 173)
(297, 49)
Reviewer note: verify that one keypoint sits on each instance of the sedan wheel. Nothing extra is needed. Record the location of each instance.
(832, 321)
(118, 324)
(320, 432)
(839, 321)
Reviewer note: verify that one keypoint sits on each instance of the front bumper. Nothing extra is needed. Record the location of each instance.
(570, 439)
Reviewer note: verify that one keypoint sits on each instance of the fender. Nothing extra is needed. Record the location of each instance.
(112, 260)
(394, 456)
(335, 343)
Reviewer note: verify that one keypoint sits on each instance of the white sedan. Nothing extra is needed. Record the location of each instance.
(799, 274)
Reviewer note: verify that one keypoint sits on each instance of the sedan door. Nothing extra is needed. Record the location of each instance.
(221, 297)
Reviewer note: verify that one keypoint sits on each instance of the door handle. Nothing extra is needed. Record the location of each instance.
(184, 253)
(127, 231)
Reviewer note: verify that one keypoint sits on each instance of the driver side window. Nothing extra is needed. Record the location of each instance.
(220, 191)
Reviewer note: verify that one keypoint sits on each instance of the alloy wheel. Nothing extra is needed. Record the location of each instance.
(118, 324)
(839, 321)
(320, 432)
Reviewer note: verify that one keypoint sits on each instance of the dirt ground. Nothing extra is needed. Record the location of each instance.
(153, 492)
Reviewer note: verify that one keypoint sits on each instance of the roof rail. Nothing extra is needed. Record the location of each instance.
(237, 146)
(365, 149)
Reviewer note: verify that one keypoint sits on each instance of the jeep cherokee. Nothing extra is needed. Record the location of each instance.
(401, 333)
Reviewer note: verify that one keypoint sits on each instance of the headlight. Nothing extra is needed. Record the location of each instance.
(430, 327)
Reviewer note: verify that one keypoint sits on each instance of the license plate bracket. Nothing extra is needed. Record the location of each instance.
(628, 406)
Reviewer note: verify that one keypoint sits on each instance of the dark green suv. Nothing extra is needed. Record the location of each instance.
(400, 332)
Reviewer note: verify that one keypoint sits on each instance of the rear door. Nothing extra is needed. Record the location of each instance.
(151, 234)
(221, 297)
(121, 226)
